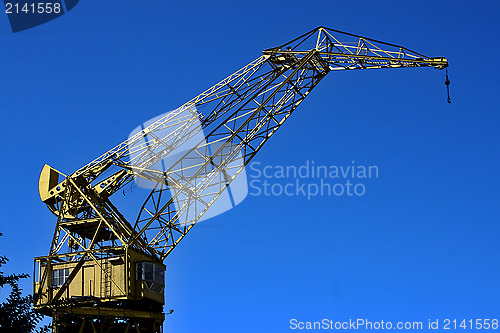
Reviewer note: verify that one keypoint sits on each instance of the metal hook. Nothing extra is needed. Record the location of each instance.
(447, 82)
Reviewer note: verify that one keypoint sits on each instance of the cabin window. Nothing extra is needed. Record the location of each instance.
(59, 276)
(152, 274)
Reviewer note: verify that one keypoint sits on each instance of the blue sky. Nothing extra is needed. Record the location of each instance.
(422, 243)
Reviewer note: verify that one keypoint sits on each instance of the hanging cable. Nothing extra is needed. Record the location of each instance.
(447, 82)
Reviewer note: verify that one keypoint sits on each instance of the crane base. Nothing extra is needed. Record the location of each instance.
(109, 320)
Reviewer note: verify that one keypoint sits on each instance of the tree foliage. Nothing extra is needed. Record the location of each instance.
(16, 312)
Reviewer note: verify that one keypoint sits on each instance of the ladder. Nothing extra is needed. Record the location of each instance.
(106, 278)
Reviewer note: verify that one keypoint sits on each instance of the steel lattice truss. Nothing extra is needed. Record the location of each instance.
(240, 114)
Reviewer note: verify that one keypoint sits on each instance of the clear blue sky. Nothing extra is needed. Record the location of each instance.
(421, 243)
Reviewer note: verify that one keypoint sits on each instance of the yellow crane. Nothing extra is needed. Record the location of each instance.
(105, 271)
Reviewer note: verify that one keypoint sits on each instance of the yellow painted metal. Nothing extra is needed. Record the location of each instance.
(91, 279)
(48, 181)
